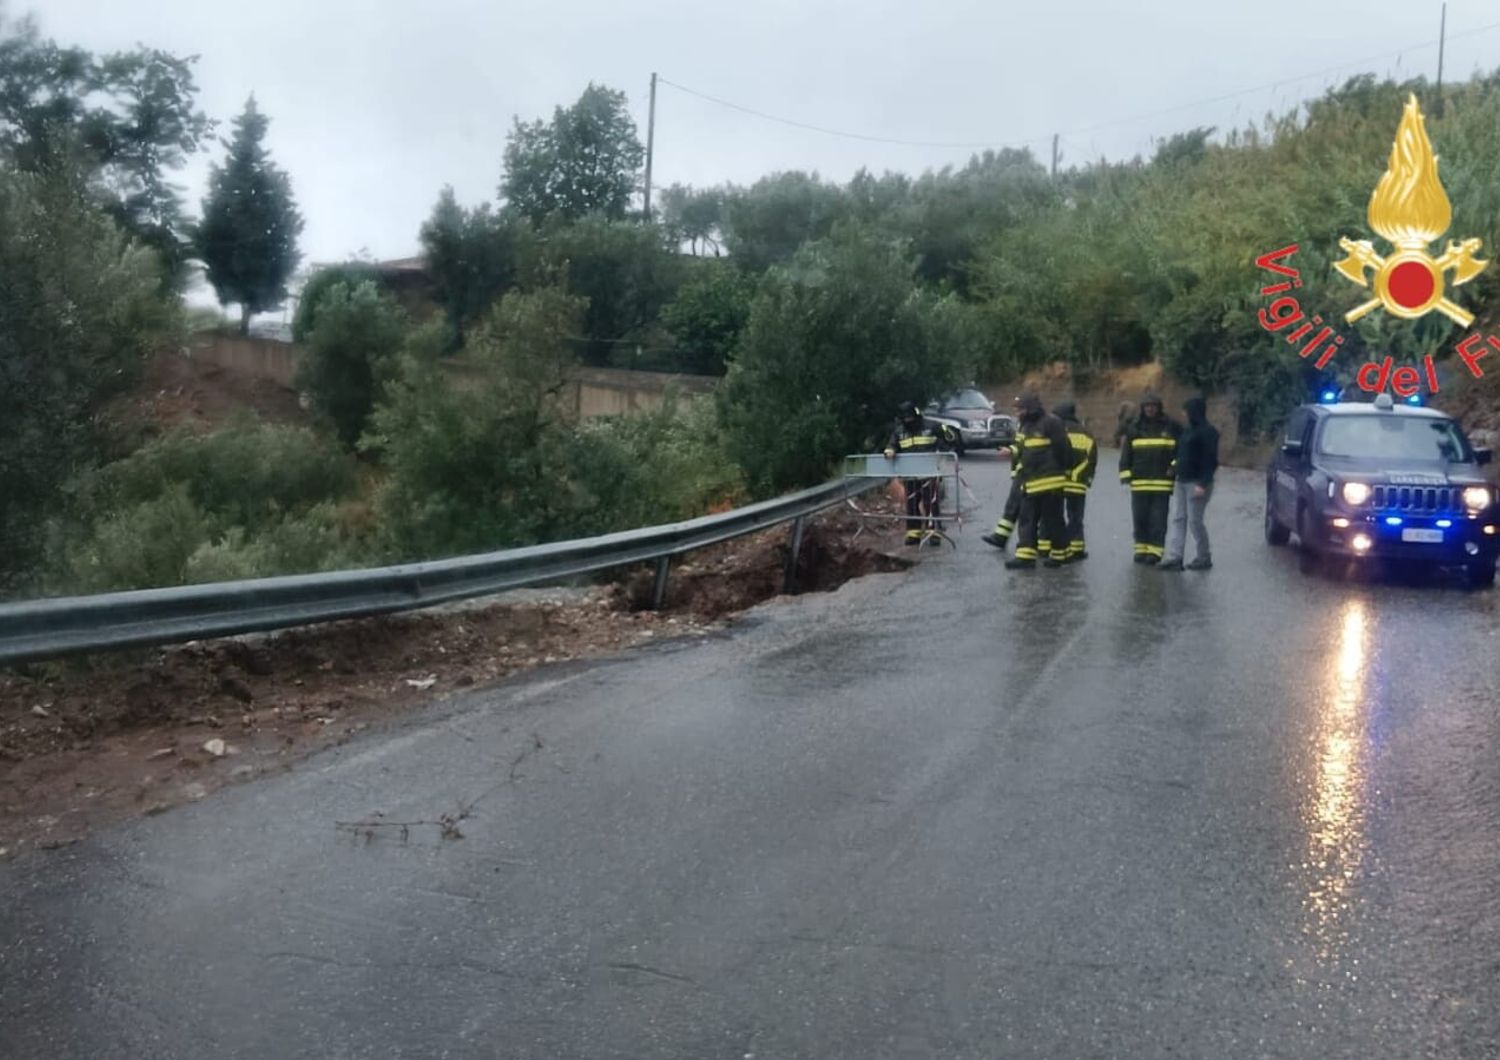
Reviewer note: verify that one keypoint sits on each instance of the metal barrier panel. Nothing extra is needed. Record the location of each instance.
(903, 465)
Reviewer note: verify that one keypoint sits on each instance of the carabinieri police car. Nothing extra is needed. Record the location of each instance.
(1383, 481)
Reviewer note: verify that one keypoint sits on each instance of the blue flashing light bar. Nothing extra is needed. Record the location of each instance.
(1415, 399)
(1329, 397)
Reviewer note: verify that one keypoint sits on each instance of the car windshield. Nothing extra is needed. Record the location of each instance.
(1388, 437)
(967, 399)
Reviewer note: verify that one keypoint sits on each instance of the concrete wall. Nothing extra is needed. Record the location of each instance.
(255, 358)
(617, 392)
(593, 391)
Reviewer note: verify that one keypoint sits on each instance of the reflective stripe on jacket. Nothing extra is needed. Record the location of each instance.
(1045, 455)
(923, 438)
(1148, 456)
(1085, 458)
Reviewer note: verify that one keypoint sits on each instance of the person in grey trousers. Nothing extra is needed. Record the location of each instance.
(1197, 460)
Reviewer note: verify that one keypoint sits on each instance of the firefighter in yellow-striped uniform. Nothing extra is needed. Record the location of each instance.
(1005, 526)
(1148, 465)
(924, 497)
(1045, 459)
(1085, 462)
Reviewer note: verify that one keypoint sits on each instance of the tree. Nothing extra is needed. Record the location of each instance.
(584, 161)
(80, 308)
(765, 223)
(694, 217)
(351, 354)
(248, 236)
(474, 256)
(128, 116)
(953, 213)
(627, 272)
(836, 339)
(708, 315)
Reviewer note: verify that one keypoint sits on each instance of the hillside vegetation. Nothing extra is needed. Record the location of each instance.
(822, 305)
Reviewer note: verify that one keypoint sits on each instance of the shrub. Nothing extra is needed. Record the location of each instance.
(247, 474)
(708, 315)
(349, 274)
(137, 546)
(478, 468)
(312, 542)
(658, 467)
(351, 354)
(246, 501)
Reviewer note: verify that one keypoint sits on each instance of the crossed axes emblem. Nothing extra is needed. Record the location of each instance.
(1459, 257)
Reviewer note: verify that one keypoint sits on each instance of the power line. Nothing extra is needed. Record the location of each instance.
(825, 130)
(1285, 80)
(835, 132)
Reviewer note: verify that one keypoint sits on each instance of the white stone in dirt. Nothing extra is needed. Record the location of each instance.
(215, 747)
(41, 711)
(421, 684)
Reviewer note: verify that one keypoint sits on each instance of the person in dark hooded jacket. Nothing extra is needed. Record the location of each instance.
(1197, 460)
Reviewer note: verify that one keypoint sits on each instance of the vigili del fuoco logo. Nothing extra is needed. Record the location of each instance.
(1410, 209)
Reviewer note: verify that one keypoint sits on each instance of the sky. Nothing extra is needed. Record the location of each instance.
(375, 106)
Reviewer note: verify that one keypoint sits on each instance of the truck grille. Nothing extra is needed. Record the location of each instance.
(1416, 498)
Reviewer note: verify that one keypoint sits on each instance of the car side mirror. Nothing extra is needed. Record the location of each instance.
(1483, 456)
(1291, 448)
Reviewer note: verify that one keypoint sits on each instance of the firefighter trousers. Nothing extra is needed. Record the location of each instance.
(924, 506)
(1043, 533)
(1148, 510)
(1073, 505)
(1012, 511)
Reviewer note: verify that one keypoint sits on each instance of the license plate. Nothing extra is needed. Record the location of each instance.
(1426, 537)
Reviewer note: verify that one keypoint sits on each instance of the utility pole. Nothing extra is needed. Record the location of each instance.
(1054, 157)
(1442, 39)
(650, 143)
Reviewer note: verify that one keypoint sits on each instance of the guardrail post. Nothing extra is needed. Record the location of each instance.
(659, 594)
(789, 582)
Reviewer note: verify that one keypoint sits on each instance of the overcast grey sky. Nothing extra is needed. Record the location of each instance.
(376, 105)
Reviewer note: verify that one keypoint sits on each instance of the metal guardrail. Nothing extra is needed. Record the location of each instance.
(46, 629)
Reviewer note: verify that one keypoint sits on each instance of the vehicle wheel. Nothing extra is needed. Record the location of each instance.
(1481, 575)
(1276, 534)
(1309, 559)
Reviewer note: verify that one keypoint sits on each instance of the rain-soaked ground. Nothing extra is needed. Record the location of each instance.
(956, 812)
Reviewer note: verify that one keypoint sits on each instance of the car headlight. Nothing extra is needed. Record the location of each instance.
(1356, 493)
(1476, 498)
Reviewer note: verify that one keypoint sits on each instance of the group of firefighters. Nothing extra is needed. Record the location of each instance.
(1053, 461)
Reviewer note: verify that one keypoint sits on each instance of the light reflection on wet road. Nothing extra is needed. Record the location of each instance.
(957, 812)
(1337, 807)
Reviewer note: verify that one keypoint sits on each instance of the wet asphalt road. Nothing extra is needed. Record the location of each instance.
(956, 812)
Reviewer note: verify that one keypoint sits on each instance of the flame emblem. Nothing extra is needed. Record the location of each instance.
(1410, 209)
